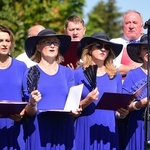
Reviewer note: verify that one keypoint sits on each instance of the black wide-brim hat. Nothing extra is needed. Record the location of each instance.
(96, 37)
(133, 49)
(31, 42)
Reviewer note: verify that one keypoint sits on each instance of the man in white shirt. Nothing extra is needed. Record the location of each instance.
(132, 26)
(32, 31)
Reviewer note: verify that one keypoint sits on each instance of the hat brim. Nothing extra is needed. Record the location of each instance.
(133, 51)
(116, 48)
(31, 42)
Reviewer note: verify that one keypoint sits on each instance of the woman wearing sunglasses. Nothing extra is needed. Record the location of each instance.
(96, 128)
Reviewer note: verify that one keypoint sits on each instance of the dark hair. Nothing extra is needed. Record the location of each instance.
(74, 18)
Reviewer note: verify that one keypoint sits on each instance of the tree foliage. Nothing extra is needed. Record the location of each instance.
(19, 15)
(105, 17)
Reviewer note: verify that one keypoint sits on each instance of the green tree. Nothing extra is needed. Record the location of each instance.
(105, 17)
(19, 15)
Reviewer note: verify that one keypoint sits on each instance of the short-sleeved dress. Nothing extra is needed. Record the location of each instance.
(51, 130)
(11, 132)
(96, 129)
(135, 128)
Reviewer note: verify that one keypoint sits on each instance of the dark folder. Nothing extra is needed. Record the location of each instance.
(7, 108)
(71, 54)
(114, 101)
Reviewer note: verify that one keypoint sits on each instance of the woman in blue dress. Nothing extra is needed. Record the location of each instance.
(49, 130)
(11, 75)
(96, 129)
(135, 79)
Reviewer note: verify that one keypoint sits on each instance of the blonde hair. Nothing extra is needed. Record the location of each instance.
(87, 61)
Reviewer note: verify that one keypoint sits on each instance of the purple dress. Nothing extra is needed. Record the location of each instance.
(11, 132)
(135, 127)
(51, 130)
(96, 129)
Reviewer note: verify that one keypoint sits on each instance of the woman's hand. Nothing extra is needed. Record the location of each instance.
(121, 113)
(31, 108)
(77, 112)
(70, 66)
(35, 97)
(91, 97)
(137, 105)
(17, 117)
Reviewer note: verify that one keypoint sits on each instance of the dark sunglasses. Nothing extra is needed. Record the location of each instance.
(101, 45)
(48, 42)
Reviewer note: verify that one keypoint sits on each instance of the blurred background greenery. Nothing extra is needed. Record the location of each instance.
(19, 15)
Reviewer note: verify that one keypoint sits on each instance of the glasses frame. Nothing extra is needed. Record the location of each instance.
(48, 42)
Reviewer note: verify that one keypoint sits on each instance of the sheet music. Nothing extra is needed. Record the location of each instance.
(74, 96)
(73, 100)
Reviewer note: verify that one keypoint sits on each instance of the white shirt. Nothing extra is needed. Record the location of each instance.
(23, 57)
(124, 42)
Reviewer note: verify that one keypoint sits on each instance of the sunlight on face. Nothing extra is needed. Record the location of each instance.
(100, 50)
(5, 43)
(132, 26)
(49, 46)
(76, 30)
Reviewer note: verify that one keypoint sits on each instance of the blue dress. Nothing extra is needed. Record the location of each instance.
(135, 127)
(51, 130)
(96, 129)
(11, 132)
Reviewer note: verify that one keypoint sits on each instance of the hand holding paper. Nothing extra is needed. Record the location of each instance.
(8, 108)
(72, 102)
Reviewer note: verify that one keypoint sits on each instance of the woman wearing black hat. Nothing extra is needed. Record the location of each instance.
(49, 130)
(95, 128)
(135, 79)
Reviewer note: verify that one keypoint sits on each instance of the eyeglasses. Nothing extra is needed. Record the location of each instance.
(101, 45)
(47, 42)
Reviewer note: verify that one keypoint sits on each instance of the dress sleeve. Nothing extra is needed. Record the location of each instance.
(130, 86)
(119, 83)
(70, 77)
(25, 89)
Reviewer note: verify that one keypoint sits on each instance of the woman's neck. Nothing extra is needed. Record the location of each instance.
(49, 68)
(144, 68)
(101, 70)
(5, 62)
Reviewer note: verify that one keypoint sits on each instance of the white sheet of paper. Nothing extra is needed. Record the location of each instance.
(74, 97)
(72, 102)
